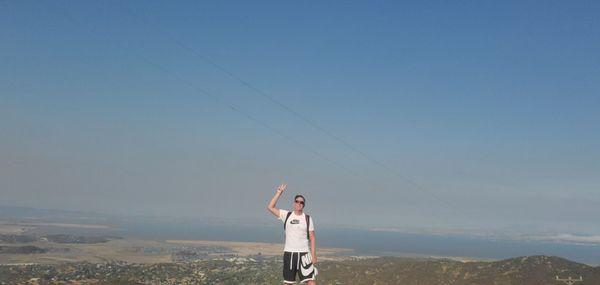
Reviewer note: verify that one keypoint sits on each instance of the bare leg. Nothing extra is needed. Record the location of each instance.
(311, 282)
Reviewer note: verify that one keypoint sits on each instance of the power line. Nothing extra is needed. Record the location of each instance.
(297, 114)
(218, 99)
(247, 115)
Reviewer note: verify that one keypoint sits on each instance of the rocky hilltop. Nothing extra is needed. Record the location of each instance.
(532, 270)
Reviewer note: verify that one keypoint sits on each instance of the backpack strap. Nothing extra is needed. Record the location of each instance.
(286, 219)
(307, 226)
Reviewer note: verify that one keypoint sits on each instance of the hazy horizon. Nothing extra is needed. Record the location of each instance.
(485, 113)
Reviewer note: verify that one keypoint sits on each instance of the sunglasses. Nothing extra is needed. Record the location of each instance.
(299, 202)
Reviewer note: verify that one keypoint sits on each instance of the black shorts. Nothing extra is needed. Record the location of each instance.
(297, 263)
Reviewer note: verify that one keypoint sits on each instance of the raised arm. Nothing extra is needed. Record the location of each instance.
(273, 203)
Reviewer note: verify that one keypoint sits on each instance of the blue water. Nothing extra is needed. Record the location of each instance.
(370, 242)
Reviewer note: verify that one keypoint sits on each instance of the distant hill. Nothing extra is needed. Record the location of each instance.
(533, 270)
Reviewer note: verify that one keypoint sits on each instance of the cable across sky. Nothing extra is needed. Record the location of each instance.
(181, 44)
(271, 99)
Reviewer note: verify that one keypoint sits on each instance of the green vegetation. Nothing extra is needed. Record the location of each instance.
(535, 270)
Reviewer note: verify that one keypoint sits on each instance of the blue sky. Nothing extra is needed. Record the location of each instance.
(491, 106)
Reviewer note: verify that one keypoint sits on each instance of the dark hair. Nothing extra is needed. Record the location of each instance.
(304, 199)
